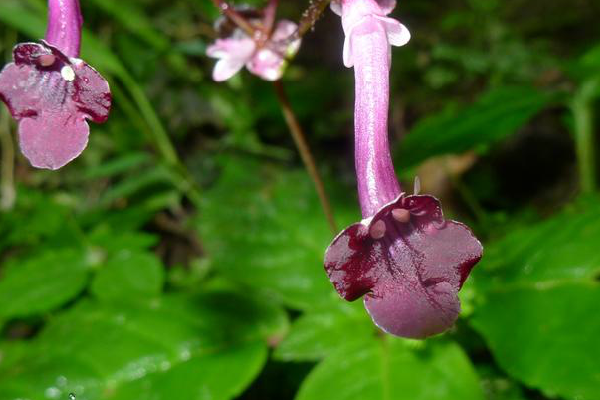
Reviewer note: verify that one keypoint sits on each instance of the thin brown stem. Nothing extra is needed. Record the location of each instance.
(305, 153)
(7, 181)
(310, 17)
(230, 12)
(8, 193)
(270, 13)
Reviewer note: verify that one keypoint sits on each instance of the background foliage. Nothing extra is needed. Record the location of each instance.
(181, 256)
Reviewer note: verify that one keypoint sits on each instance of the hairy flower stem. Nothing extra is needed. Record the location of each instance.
(305, 153)
(64, 26)
(582, 109)
(230, 12)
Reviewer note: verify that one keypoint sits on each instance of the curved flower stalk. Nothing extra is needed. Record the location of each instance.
(405, 259)
(52, 93)
(263, 58)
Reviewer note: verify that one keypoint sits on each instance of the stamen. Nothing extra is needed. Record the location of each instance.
(67, 73)
(378, 230)
(401, 215)
(417, 186)
(46, 60)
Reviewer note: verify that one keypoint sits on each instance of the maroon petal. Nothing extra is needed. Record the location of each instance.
(409, 262)
(51, 95)
(350, 262)
(54, 139)
(92, 93)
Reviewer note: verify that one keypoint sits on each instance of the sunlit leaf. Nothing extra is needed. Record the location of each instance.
(544, 335)
(386, 368)
(536, 298)
(42, 283)
(321, 332)
(143, 349)
(129, 274)
(565, 247)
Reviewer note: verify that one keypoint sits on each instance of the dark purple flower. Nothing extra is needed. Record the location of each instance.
(52, 93)
(405, 259)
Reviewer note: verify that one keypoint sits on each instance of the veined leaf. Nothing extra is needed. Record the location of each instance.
(497, 114)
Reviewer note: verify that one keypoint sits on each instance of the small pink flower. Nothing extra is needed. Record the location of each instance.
(267, 60)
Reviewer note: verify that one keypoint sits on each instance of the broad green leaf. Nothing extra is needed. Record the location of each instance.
(42, 283)
(386, 368)
(219, 376)
(565, 247)
(495, 115)
(129, 274)
(318, 333)
(546, 335)
(111, 350)
(266, 229)
(535, 301)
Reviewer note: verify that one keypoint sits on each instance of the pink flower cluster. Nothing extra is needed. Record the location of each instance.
(266, 60)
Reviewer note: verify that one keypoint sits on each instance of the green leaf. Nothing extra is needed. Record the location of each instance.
(497, 114)
(216, 341)
(535, 302)
(129, 274)
(546, 336)
(112, 241)
(42, 283)
(220, 376)
(266, 229)
(386, 368)
(316, 334)
(565, 247)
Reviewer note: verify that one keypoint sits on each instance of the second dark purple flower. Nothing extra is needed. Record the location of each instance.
(405, 259)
